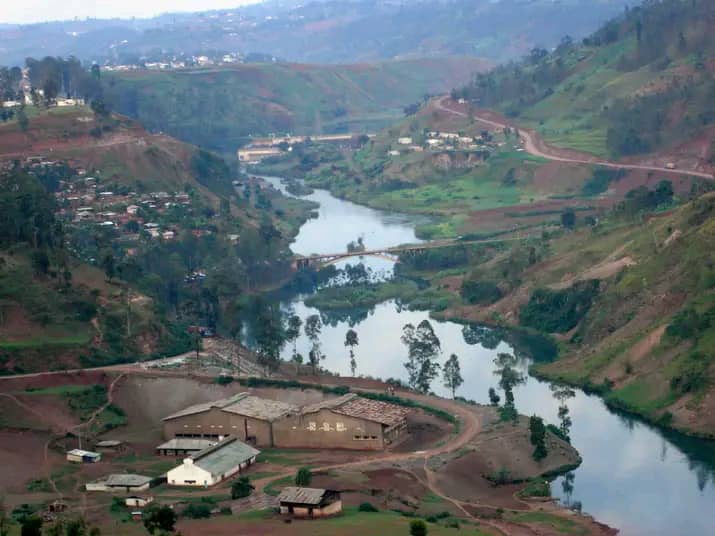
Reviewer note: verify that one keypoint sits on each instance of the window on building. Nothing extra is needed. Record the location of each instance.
(312, 426)
(340, 427)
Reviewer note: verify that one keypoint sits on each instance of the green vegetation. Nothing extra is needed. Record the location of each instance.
(200, 106)
(367, 507)
(558, 311)
(303, 477)
(536, 488)
(621, 90)
(561, 524)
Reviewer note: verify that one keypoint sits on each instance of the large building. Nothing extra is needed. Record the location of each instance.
(347, 422)
(244, 416)
(213, 465)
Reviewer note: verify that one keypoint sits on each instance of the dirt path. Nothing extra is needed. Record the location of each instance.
(533, 144)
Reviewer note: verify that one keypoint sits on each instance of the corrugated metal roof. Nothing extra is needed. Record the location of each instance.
(128, 480)
(293, 494)
(224, 456)
(373, 410)
(242, 404)
(187, 443)
(330, 403)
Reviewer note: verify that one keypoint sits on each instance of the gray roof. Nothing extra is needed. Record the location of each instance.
(127, 480)
(109, 443)
(242, 404)
(292, 494)
(224, 456)
(187, 443)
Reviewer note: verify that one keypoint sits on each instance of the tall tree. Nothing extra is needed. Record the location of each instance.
(509, 378)
(537, 436)
(423, 347)
(563, 394)
(313, 327)
(351, 341)
(452, 374)
(292, 332)
(268, 334)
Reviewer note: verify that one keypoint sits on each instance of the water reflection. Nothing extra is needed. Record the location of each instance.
(633, 477)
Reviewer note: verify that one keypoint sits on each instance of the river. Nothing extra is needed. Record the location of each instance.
(634, 477)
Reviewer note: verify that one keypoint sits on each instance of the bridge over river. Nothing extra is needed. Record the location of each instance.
(390, 253)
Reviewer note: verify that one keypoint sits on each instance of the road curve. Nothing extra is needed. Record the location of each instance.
(531, 146)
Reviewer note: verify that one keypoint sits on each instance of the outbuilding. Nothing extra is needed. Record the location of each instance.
(214, 464)
(83, 456)
(120, 482)
(135, 501)
(309, 502)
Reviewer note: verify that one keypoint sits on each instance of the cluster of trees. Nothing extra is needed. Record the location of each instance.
(27, 212)
(64, 77)
(642, 199)
(558, 311)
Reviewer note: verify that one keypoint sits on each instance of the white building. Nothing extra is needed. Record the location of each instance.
(404, 141)
(213, 465)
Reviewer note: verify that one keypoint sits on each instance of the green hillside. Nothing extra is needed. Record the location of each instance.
(642, 82)
(220, 108)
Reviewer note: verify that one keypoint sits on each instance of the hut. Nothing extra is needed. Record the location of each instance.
(309, 502)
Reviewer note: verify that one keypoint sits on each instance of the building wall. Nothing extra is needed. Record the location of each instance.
(188, 474)
(326, 429)
(216, 423)
(304, 511)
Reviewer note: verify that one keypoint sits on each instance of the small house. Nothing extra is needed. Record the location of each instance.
(109, 445)
(309, 502)
(83, 456)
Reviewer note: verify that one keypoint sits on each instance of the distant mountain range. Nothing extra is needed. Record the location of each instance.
(332, 31)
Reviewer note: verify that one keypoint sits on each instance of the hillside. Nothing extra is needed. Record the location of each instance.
(130, 239)
(642, 83)
(629, 303)
(219, 108)
(333, 31)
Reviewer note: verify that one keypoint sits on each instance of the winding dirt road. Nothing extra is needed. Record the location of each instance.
(534, 145)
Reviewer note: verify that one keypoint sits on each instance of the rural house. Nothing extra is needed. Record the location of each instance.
(213, 465)
(309, 502)
(347, 422)
(244, 416)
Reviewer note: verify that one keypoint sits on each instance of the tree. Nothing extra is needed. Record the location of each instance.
(241, 488)
(418, 528)
(268, 334)
(292, 332)
(313, 327)
(5, 520)
(40, 262)
(563, 394)
(509, 377)
(494, 398)
(109, 265)
(160, 518)
(423, 347)
(568, 218)
(303, 477)
(351, 341)
(31, 526)
(537, 436)
(22, 120)
(452, 374)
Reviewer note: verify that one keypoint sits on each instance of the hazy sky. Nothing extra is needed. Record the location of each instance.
(42, 10)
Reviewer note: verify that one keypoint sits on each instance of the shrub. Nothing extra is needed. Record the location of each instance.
(418, 528)
(241, 488)
(367, 507)
(692, 374)
(303, 477)
(481, 292)
(558, 311)
(197, 511)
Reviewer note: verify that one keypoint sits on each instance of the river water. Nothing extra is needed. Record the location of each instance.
(634, 477)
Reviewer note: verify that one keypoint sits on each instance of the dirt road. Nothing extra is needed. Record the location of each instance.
(534, 145)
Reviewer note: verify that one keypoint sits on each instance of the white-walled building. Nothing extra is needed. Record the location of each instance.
(213, 465)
